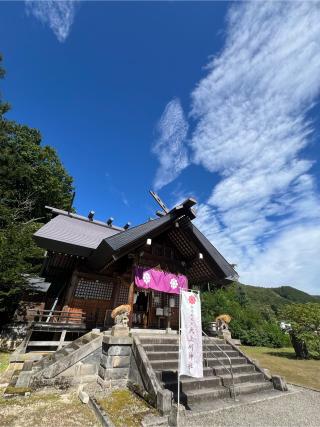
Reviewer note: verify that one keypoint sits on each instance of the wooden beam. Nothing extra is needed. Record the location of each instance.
(62, 337)
(46, 343)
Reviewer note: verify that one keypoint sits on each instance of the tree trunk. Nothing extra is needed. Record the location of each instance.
(299, 346)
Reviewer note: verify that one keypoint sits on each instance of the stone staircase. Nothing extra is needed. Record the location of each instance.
(216, 383)
(79, 358)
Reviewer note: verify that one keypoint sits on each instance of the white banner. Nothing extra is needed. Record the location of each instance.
(191, 358)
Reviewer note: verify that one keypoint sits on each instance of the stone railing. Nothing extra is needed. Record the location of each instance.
(143, 377)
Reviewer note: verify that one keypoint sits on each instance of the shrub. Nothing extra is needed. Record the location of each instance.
(253, 325)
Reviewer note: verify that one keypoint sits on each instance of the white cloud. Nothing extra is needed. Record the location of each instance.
(251, 125)
(170, 148)
(59, 15)
(292, 258)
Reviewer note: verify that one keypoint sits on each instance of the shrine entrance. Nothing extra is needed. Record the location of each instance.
(141, 308)
(154, 309)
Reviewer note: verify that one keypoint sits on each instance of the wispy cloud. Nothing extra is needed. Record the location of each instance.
(170, 146)
(124, 199)
(59, 15)
(252, 128)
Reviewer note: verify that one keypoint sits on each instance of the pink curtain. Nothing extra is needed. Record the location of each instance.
(150, 278)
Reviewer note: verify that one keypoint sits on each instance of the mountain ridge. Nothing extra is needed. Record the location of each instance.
(278, 296)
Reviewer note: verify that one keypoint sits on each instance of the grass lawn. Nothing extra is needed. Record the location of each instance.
(4, 361)
(282, 361)
(125, 409)
(46, 408)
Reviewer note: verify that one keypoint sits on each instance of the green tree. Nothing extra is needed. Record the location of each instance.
(252, 323)
(31, 176)
(242, 296)
(19, 256)
(305, 328)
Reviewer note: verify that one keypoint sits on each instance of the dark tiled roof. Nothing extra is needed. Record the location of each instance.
(214, 254)
(72, 235)
(132, 234)
(75, 235)
(124, 240)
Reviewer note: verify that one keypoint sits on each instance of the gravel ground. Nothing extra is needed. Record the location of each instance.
(301, 407)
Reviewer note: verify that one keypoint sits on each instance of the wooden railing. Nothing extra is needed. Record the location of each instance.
(56, 316)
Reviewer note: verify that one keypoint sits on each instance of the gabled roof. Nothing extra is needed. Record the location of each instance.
(222, 263)
(72, 234)
(214, 264)
(116, 246)
(101, 244)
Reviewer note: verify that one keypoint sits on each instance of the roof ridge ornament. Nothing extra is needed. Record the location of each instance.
(186, 206)
(159, 201)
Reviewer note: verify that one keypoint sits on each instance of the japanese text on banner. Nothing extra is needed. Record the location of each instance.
(191, 358)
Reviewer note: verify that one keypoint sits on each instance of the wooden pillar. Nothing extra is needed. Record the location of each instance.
(130, 301)
(115, 292)
(71, 288)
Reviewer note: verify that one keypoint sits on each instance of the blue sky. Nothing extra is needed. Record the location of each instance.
(214, 100)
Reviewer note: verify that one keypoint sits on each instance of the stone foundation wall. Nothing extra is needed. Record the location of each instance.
(115, 359)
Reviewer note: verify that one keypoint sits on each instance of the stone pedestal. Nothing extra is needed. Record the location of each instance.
(115, 359)
(225, 334)
(120, 331)
(279, 383)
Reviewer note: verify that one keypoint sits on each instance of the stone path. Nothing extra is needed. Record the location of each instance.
(298, 407)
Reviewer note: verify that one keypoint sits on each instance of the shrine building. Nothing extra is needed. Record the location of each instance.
(91, 267)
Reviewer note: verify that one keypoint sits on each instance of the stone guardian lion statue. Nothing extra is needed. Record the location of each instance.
(121, 315)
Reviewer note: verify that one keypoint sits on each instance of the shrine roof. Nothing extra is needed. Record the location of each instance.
(101, 244)
(72, 234)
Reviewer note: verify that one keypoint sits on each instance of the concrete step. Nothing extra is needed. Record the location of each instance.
(175, 340)
(254, 387)
(175, 347)
(169, 364)
(187, 384)
(197, 396)
(236, 368)
(218, 361)
(242, 378)
(171, 375)
(217, 353)
(155, 355)
(156, 340)
(206, 394)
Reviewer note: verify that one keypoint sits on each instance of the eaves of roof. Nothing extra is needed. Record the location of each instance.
(116, 246)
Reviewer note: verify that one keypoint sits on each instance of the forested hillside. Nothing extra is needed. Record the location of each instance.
(256, 312)
(277, 297)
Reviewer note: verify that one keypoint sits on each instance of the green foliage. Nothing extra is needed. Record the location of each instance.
(305, 324)
(295, 295)
(252, 324)
(29, 170)
(31, 176)
(18, 256)
(265, 298)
